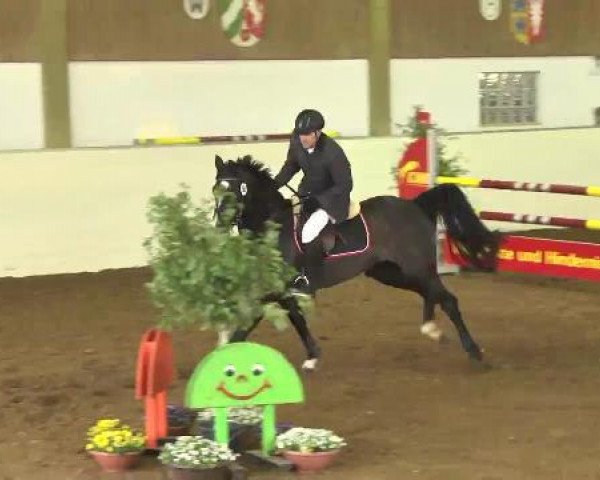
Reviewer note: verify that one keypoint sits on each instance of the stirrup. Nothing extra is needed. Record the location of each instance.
(301, 281)
(300, 287)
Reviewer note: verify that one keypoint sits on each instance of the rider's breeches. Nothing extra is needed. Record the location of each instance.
(313, 226)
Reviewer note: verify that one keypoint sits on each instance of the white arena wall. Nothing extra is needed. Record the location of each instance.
(568, 89)
(112, 103)
(85, 209)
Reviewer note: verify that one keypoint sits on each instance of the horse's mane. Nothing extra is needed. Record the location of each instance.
(259, 170)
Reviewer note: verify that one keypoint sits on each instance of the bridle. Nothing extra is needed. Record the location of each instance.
(242, 190)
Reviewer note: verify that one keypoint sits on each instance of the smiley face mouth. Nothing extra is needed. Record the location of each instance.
(222, 388)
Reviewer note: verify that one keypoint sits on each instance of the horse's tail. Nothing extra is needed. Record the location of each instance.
(478, 245)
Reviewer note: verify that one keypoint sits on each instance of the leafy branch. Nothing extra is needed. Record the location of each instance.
(204, 276)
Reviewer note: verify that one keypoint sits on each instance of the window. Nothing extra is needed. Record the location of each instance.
(507, 98)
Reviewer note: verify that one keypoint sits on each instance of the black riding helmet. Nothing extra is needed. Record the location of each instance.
(308, 121)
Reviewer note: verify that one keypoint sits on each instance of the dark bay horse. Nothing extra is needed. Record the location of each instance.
(400, 252)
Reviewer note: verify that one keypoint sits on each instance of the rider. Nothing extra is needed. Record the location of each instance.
(325, 187)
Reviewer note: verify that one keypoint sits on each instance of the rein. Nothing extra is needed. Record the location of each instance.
(275, 214)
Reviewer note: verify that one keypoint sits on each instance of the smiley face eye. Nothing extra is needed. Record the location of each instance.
(229, 371)
(258, 369)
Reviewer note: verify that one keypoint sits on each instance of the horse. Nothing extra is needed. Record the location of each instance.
(393, 242)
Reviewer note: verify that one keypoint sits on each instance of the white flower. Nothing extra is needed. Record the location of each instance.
(242, 415)
(309, 440)
(196, 452)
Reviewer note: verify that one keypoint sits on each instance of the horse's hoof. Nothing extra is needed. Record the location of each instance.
(476, 354)
(431, 330)
(310, 365)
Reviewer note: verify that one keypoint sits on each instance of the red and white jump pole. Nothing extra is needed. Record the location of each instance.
(417, 172)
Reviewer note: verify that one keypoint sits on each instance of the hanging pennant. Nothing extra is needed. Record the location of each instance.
(536, 17)
(526, 20)
(243, 21)
(519, 20)
(490, 9)
(196, 9)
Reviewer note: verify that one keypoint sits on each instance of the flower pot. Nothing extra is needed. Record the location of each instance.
(116, 462)
(184, 473)
(310, 462)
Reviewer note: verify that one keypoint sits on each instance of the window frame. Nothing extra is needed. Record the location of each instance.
(516, 101)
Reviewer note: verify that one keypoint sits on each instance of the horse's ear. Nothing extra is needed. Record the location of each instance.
(219, 163)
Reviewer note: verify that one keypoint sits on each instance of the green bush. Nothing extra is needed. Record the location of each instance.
(206, 277)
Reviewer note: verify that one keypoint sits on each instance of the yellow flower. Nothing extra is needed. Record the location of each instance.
(107, 424)
(101, 441)
(111, 435)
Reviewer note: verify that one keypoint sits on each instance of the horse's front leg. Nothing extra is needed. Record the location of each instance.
(240, 335)
(313, 350)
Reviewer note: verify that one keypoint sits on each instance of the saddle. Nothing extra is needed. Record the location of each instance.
(350, 237)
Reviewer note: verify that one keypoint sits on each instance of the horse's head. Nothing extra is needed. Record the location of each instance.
(243, 189)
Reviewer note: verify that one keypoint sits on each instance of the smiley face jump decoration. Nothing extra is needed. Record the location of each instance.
(240, 375)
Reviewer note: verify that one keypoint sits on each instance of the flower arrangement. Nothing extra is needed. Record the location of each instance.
(110, 435)
(239, 415)
(196, 453)
(309, 440)
(448, 166)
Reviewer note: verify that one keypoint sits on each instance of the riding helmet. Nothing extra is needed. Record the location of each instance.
(308, 121)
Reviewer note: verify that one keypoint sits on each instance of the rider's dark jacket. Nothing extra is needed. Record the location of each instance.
(327, 175)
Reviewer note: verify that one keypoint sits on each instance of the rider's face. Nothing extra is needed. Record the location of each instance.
(309, 140)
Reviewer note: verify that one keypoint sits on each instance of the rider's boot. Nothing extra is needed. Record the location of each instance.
(311, 271)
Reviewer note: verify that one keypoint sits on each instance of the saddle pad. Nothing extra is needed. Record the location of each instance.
(352, 237)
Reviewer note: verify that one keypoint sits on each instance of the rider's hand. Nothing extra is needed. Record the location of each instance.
(311, 204)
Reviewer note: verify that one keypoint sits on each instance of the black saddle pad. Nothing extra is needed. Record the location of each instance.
(352, 237)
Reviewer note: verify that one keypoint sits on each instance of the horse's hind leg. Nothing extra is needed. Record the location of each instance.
(391, 274)
(449, 303)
